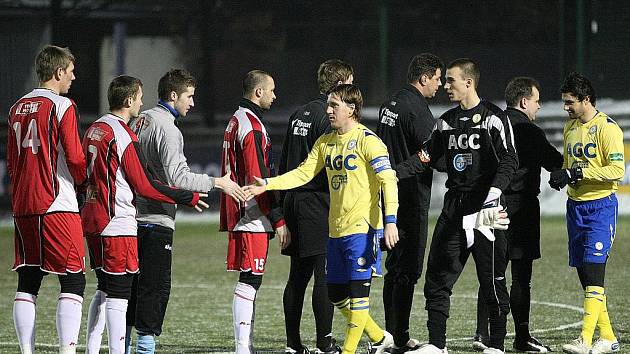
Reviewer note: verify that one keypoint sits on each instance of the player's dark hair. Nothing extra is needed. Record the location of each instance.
(253, 80)
(350, 94)
(50, 59)
(120, 89)
(331, 72)
(579, 86)
(177, 80)
(423, 64)
(468, 67)
(519, 88)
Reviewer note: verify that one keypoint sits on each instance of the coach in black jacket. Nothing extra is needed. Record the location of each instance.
(523, 235)
(405, 122)
(306, 214)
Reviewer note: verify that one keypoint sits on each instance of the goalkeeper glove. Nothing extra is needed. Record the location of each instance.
(492, 215)
(560, 178)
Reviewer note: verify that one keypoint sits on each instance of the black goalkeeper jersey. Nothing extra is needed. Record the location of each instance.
(477, 147)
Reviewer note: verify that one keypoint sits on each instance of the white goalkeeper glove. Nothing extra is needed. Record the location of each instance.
(492, 214)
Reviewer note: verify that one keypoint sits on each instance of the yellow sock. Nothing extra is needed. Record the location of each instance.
(604, 325)
(372, 330)
(357, 315)
(344, 307)
(593, 301)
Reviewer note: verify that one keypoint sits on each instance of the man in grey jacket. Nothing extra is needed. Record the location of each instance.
(162, 145)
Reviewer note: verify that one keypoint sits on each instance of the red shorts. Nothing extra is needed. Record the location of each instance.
(54, 242)
(247, 251)
(113, 254)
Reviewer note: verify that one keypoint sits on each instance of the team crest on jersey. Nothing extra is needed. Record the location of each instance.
(592, 130)
(352, 144)
(27, 108)
(461, 161)
(96, 134)
(476, 118)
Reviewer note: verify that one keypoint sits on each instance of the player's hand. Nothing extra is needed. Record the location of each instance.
(391, 235)
(492, 214)
(231, 188)
(284, 236)
(560, 178)
(493, 218)
(257, 188)
(423, 155)
(201, 204)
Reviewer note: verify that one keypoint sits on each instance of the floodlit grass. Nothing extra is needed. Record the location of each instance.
(199, 317)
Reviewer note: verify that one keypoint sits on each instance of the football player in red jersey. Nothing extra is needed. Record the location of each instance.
(45, 164)
(247, 154)
(115, 175)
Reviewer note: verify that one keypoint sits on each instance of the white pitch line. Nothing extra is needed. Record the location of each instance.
(278, 287)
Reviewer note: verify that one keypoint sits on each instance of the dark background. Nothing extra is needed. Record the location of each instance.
(222, 40)
(225, 39)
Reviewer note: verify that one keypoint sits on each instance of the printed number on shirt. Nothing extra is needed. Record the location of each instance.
(31, 139)
(260, 263)
(93, 152)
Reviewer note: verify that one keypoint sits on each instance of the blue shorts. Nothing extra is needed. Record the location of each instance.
(591, 226)
(354, 257)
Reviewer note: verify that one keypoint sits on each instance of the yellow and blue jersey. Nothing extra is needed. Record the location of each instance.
(596, 147)
(358, 169)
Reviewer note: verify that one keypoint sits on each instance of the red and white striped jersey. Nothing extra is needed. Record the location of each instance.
(44, 156)
(115, 174)
(247, 153)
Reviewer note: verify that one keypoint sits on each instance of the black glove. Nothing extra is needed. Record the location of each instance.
(560, 178)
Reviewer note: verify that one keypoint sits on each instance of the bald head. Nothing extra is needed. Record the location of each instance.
(259, 87)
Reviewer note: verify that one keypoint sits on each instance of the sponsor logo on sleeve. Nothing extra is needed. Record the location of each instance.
(615, 157)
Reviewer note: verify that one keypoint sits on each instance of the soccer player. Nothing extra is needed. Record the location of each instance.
(475, 141)
(45, 163)
(522, 96)
(115, 176)
(593, 166)
(306, 213)
(250, 224)
(405, 122)
(358, 170)
(162, 145)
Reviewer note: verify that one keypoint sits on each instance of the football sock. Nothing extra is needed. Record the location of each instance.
(371, 329)
(603, 322)
(24, 320)
(116, 315)
(520, 297)
(69, 309)
(593, 301)
(323, 312)
(292, 301)
(243, 316)
(96, 322)
(357, 316)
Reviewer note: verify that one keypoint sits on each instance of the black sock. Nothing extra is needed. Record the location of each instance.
(322, 307)
(520, 297)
